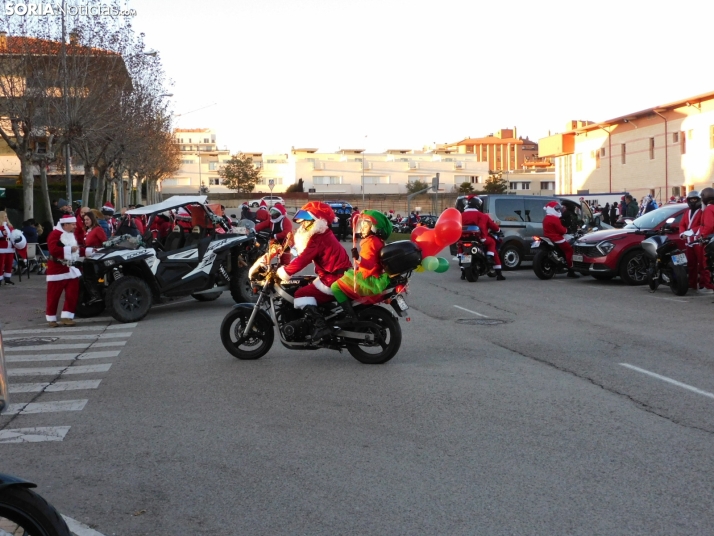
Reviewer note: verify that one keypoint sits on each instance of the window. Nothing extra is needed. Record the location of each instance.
(547, 185)
(377, 179)
(579, 162)
(651, 148)
(276, 161)
(215, 181)
(675, 139)
(676, 190)
(213, 166)
(326, 179)
(519, 185)
(460, 179)
(534, 212)
(189, 140)
(602, 151)
(510, 210)
(683, 144)
(188, 161)
(597, 159)
(176, 182)
(623, 153)
(206, 140)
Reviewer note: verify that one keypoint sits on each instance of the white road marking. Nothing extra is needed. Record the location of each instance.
(95, 319)
(54, 371)
(80, 529)
(470, 311)
(46, 407)
(669, 380)
(10, 351)
(88, 337)
(75, 328)
(54, 387)
(34, 435)
(670, 299)
(172, 303)
(61, 357)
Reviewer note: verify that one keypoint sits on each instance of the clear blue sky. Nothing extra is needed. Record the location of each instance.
(327, 73)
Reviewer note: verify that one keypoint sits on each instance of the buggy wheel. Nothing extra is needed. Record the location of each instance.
(241, 290)
(129, 299)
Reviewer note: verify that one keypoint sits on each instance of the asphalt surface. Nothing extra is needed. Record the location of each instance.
(530, 426)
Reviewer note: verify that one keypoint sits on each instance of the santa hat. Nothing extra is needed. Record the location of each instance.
(318, 210)
(108, 207)
(552, 208)
(281, 208)
(263, 203)
(67, 219)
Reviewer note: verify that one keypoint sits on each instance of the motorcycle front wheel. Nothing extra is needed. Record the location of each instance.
(543, 266)
(380, 351)
(259, 340)
(679, 281)
(24, 512)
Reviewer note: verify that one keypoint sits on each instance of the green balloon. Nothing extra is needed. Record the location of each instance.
(443, 265)
(430, 263)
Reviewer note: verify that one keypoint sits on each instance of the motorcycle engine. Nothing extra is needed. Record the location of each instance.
(296, 330)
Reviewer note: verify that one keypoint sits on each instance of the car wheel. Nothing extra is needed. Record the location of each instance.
(129, 299)
(511, 256)
(633, 268)
(254, 204)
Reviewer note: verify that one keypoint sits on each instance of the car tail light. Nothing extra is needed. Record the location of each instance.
(536, 238)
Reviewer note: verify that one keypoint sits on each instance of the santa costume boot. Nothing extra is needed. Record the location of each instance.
(320, 329)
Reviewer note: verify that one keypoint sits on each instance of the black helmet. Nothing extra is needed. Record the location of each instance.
(693, 195)
(475, 202)
(707, 195)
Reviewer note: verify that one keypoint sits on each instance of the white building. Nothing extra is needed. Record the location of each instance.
(200, 161)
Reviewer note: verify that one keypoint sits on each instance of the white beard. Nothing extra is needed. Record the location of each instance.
(302, 236)
(68, 239)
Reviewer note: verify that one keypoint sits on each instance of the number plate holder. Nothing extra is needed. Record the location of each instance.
(679, 260)
(577, 258)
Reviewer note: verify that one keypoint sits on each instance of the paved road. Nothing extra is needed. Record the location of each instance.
(532, 426)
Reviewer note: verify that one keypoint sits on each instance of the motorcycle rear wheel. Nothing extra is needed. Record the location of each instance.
(679, 282)
(23, 511)
(259, 341)
(543, 266)
(471, 273)
(377, 353)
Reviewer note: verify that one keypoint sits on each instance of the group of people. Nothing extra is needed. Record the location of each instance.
(697, 222)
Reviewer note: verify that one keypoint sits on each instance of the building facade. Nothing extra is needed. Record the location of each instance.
(665, 151)
(502, 151)
(200, 162)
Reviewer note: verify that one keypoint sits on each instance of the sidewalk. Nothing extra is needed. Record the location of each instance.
(23, 305)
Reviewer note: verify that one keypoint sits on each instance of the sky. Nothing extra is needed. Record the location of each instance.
(396, 74)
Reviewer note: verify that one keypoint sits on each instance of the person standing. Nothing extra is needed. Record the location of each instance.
(343, 216)
(606, 214)
(614, 213)
(7, 250)
(95, 235)
(64, 209)
(62, 276)
(707, 229)
(631, 207)
(553, 229)
(690, 225)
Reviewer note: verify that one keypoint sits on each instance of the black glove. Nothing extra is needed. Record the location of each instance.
(355, 254)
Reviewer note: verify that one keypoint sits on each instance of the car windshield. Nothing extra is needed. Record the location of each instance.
(654, 218)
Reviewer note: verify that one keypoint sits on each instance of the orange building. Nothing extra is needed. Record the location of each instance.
(503, 151)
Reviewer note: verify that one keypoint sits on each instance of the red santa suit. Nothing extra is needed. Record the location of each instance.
(696, 265)
(61, 277)
(707, 229)
(7, 251)
(556, 231)
(320, 246)
(473, 216)
(279, 226)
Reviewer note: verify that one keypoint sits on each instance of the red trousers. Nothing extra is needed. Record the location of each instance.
(71, 295)
(699, 276)
(6, 260)
(567, 250)
(312, 295)
(491, 250)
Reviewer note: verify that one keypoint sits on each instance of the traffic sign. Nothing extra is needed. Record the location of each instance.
(271, 184)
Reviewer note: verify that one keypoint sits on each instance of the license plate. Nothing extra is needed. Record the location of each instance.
(577, 258)
(402, 303)
(465, 258)
(679, 260)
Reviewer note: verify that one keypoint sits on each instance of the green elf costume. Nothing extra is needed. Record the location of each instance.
(374, 229)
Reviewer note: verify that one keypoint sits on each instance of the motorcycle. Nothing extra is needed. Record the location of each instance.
(374, 337)
(666, 262)
(22, 511)
(549, 260)
(473, 258)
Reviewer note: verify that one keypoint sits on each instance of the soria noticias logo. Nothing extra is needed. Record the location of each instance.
(57, 9)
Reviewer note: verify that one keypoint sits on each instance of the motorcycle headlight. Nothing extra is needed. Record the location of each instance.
(110, 262)
(605, 247)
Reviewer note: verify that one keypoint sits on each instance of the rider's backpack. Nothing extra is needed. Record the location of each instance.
(399, 257)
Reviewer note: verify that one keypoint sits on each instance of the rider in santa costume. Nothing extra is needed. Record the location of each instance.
(315, 242)
(472, 215)
(61, 275)
(10, 240)
(554, 229)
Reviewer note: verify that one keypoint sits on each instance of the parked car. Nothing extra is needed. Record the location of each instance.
(335, 205)
(618, 252)
(270, 200)
(521, 218)
(428, 220)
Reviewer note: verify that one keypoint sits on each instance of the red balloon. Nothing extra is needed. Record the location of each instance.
(450, 214)
(427, 243)
(448, 232)
(417, 232)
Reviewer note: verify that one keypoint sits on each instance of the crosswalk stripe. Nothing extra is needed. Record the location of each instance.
(79, 337)
(60, 357)
(12, 351)
(56, 387)
(95, 319)
(75, 328)
(34, 435)
(46, 407)
(54, 371)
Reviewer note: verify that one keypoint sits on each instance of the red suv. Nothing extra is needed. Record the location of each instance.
(612, 252)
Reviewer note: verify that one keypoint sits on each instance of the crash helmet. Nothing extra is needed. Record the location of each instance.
(707, 195)
(553, 208)
(474, 202)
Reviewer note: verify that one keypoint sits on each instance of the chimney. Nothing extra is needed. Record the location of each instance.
(3, 40)
(73, 38)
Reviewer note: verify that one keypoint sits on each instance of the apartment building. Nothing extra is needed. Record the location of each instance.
(665, 150)
(503, 151)
(200, 160)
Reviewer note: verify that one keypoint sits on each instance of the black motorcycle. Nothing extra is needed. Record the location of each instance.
(548, 259)
(23, 511)
(666, 262)
(473, 259)
(373, 338)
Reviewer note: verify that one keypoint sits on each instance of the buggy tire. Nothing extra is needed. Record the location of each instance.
(129, 299)
(241, 291)
(30, 512)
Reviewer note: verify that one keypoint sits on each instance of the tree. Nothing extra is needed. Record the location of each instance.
(240, 174)
(297, 187)
(465, 188)
(417, 185)
(495, 184)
